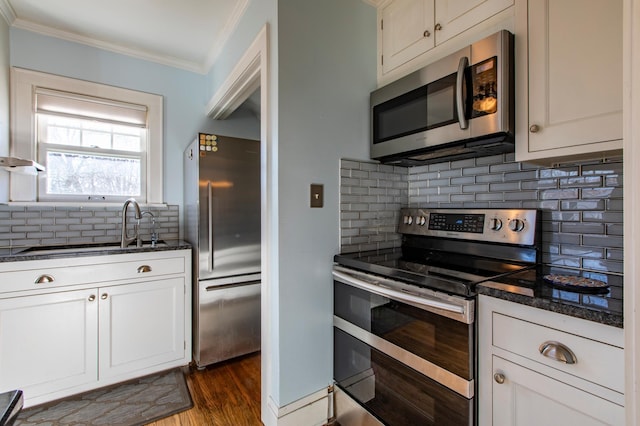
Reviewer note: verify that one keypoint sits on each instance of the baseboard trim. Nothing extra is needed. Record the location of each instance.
(312, 410)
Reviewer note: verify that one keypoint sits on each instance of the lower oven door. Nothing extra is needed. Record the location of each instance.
(399, 355)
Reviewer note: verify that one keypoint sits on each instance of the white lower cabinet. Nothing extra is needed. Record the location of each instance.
(140, 325)
(48, 342)
(72, 336)
(540, 367)
(524, 397)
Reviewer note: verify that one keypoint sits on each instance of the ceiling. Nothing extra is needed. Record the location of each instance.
(187, 34)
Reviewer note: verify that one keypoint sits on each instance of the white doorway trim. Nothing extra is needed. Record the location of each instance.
(250, 73)
(631, 111)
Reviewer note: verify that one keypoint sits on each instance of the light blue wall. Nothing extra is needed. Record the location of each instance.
(327, 68)
(183, 91)
(4, 104)
(322, 67)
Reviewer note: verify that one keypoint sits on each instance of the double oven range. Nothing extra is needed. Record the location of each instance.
(404, 318)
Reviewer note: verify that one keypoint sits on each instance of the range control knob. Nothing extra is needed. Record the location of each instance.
(495, 224)
(408, 220)
(516, 225)
(421, 220)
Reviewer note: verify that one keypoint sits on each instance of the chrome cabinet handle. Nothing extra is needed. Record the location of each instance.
(426, 33)
(92, 298)
(499, 378)
(104, 296)
(558, 352)
(534, 128)
(44, 278)
(144, 268)
(438, 27)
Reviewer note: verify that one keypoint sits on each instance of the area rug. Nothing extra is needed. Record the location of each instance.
(135, 402)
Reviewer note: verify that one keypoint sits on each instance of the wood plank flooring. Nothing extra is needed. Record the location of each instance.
(224, 394)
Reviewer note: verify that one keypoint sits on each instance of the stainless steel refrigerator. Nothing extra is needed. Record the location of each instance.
(222, 222)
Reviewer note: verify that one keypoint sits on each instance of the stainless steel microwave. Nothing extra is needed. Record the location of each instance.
(460, 106)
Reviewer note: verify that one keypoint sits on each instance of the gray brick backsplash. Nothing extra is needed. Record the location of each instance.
(581, 203)
(46, 225)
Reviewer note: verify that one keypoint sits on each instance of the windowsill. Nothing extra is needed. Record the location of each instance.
(74, 204)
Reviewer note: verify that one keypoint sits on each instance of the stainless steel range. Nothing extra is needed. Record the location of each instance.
(404, 319)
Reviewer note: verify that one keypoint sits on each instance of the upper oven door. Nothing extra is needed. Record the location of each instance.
(419, 329)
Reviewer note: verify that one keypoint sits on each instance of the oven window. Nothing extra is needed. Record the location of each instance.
(442, 341)
(393, 392)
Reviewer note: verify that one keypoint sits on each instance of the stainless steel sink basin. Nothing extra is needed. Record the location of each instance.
(83, 248)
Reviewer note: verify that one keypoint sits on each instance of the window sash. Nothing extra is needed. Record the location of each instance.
(44, 151)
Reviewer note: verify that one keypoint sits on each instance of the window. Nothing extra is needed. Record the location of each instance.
(97, 142)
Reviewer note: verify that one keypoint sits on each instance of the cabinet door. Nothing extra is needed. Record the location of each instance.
(456, 16)
(574, 55)
(141, 325)
(407, 31)
(526, 397)
(48, 343)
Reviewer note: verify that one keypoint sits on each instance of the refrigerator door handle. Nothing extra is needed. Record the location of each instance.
(232, 285)
(210, 218)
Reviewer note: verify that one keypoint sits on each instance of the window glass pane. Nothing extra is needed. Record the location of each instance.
(63, 135)
(126, 142)
(84, 174)
(89, 133)
(96, 139)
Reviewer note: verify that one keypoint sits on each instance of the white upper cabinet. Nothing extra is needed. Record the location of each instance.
(456, 16)
(569, 79)
(407, 31)
(410, 28)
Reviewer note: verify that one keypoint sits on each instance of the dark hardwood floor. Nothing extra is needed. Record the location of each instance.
(223, 394)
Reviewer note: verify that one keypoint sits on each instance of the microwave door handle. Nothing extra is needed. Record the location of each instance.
(422, 302)
(462, 118)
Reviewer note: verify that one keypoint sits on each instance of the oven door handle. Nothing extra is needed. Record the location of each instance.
(419, 301)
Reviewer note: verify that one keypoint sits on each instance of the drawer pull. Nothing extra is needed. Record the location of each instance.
(499, 378)
(558, 351)
(144, 268)
(44, 278)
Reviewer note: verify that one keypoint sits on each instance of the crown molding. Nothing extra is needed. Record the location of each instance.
(7, 12)
(195, 67)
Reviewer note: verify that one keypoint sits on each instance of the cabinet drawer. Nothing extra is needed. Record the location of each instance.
(90, 273)
(597, 362)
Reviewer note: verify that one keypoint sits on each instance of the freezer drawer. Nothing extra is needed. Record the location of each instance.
(228, 321)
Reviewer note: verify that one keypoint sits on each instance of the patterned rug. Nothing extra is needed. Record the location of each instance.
(135, 402)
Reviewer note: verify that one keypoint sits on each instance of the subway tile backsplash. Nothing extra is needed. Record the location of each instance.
(581, 203)
(22, 226)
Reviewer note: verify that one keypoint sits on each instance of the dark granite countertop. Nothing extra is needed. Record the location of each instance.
(528, 288)
(75, 250)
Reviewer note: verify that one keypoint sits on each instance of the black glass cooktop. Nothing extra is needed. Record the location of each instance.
(448, 272)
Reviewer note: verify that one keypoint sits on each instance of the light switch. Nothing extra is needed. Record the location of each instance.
(317, 195)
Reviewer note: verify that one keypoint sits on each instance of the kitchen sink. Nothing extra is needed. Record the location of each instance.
(82, 248)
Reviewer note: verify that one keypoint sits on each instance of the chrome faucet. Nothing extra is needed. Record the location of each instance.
(154, 234)
(125, 240)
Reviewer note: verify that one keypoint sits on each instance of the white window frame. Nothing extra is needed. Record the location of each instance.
(24, 188)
